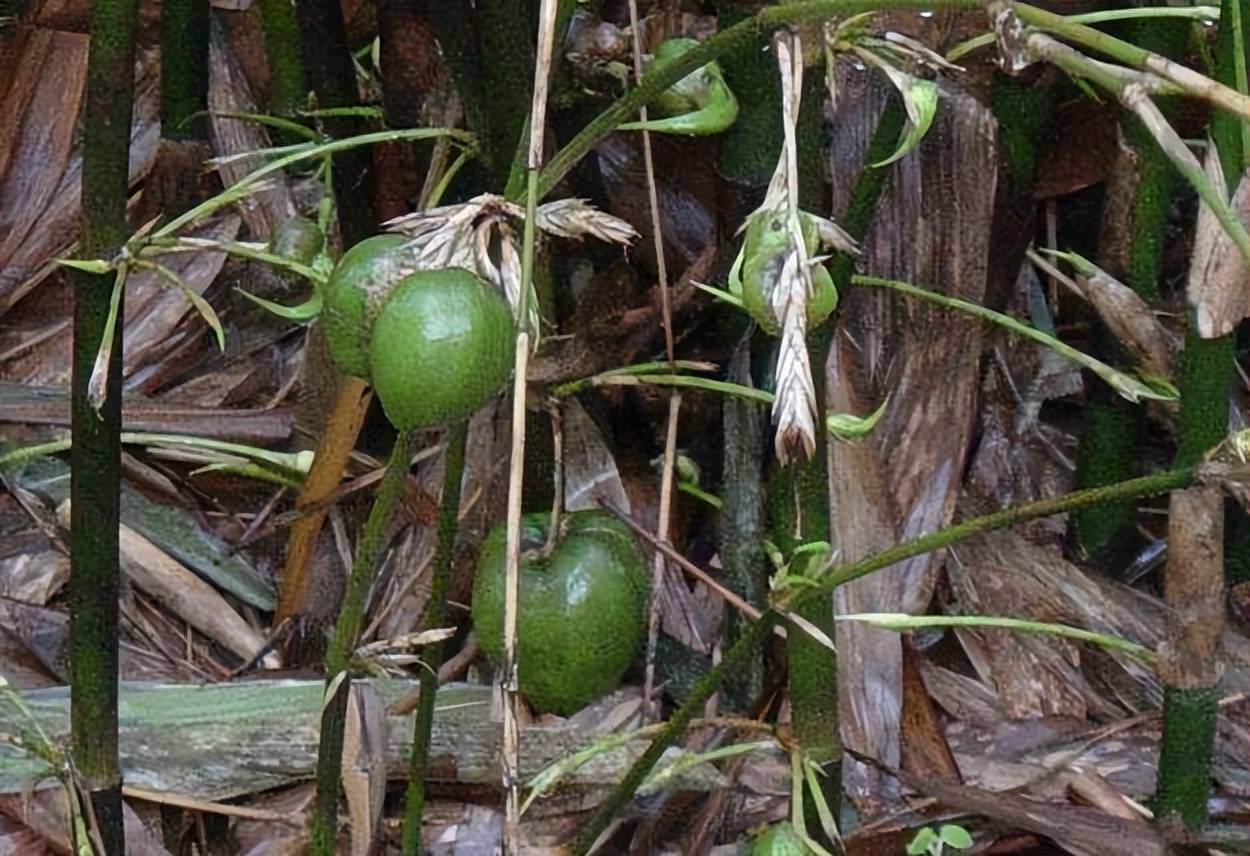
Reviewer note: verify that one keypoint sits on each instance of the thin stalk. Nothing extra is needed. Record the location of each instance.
(649, 706)
(510, 756)
(95, 459)
(435, 616)
(755, 633)
(373, 542)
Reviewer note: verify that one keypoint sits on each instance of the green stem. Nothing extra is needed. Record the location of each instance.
(739, 35)
(1206, 371)
(95, 458)
(1110, 448)
(373, 542)
(756, 632)
(287, 88)
(435, 617)
(328, 64)
(741, 520)
(184, 68)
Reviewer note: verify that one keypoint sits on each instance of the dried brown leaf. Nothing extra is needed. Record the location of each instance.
(1219, 276)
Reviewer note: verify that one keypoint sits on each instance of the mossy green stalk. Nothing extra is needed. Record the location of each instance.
(184, 68)
(1206, 371)
(1111, 438)
(331, 74)
(435, 617)
(95, 457)
(756, 632)
(287, 83)
(1189, 717)
(485, 45)
(373, 543)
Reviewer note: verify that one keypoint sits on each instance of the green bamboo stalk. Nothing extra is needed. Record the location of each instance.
(184, 69)
(332, 75)
(373, 542)
(484, 46)
(1113, 430)
(1206, 371)
(435, 616)
(287, 87)
(95, 458)
(756, 632)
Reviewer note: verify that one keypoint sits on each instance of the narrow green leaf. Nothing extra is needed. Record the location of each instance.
(88, 265)
(305, 311)
(920, 98)
(201, 305)
(848, 426)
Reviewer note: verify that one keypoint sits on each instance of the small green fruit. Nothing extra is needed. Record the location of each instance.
(763, 255)
(356, 288)
(582, 608)
(440, 347)
(297, 239)
(780, 839)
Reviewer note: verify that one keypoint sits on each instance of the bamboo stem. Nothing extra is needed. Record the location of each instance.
(95, 457)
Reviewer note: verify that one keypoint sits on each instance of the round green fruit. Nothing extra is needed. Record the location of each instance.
(356, 288)
(780, 839)
(582, 608)
(440, 347)
(297, 239)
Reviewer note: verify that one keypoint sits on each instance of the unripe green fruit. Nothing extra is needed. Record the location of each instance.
(582, 610)
(297, 239)
(780, 839)
(441, 346)
(763, 255)
(356, 288)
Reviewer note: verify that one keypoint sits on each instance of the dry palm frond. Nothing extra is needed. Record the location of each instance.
(476, 235)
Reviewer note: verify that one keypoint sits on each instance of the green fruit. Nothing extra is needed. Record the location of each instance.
(780, 839)
(582, 609)
(297, 239)
(441, 346)
(763, 256)
(356, 288)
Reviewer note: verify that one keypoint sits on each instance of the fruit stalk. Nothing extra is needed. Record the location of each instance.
(373, 542)
(758, 630)
(435, 617)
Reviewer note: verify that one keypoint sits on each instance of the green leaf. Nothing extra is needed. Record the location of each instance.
(201, 305)
(902, 623)
(953, 835)
(88, 265)
(1126, 385)
(278, 122)
(305, 311)
(848, 426)
(920, 98)
(921, 843)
